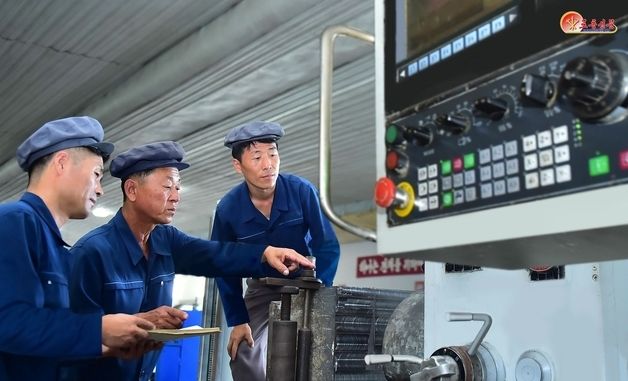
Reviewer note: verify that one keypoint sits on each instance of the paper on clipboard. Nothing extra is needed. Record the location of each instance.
(183, 333)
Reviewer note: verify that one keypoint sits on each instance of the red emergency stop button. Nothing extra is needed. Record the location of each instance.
(385, 192)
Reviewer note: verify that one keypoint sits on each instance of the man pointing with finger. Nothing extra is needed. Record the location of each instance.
(128, 265)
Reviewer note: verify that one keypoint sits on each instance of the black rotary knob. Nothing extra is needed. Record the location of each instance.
(595, 86)
(454, 124)
(421, 136)
(493, 108)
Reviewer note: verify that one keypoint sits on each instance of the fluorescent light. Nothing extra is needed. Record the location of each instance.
(102, 212)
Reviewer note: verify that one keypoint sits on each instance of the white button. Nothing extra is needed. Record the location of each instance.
(422, 204)
(563, 173)
(469, 194)
(422, 173)
(561, 154)
(546, 158)
(486, 190)
(432, 171)
(498, 170)
(498, 23)
(532, 180)
(446, 183)
(561, 134)
(458, 196)
(497, 152)
(458, 180)
(529, 143)
(530, 162)
(432, 186)
(500, 187)
(433, 202)
(545, 139)
(49, 282)
(547, 177)
(512, 166)
(469, 177)
(485, 156)
(422, 189)
(485, 173)
(513, 184)
(162, 283)
(511, 148)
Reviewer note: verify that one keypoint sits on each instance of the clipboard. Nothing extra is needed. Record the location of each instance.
(182, 333)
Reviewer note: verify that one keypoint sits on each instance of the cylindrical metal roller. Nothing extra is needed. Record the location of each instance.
(282, 366)
(304, 354)
(404, 336)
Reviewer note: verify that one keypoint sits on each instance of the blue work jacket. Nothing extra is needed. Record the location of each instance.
(296, 222)
(37, 327)
(110, 273)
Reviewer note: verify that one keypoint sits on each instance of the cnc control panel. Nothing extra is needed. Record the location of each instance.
(550, 125)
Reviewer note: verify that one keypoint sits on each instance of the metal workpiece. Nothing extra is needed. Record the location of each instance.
(304, 336)
(284, 338)
(477, 362)
(404, 335)
(283, 335)
(346, 324)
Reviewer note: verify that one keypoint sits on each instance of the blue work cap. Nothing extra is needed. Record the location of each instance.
(146, 157)
(77, 131)
(254, 131)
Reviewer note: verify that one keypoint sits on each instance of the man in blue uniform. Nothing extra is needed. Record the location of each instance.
(128, 265)
(64, 161)
(271, 209)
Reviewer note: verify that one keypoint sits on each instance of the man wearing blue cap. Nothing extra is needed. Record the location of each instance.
(271, 209)
(128, 265)
(64, 161)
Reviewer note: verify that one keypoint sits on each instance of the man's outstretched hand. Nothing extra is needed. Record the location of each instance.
(285, 260)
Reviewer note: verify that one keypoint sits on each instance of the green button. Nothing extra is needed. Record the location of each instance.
(391, 134)
(469, 160)
(448, 199)
(599, 165)
(445, 167)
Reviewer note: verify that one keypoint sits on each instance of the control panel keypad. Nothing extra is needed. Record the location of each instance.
(547, 163)
(537, 160)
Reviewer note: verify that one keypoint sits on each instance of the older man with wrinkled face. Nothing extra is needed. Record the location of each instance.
(128, 265)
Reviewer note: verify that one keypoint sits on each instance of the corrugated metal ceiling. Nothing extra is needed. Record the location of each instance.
(188, 71)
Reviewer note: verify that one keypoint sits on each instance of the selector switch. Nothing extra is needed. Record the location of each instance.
(421, 136)
(493, 108)
(454, 124)
(538, 89)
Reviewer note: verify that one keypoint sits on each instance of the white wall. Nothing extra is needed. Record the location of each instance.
(187, 289)
(346, 275)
